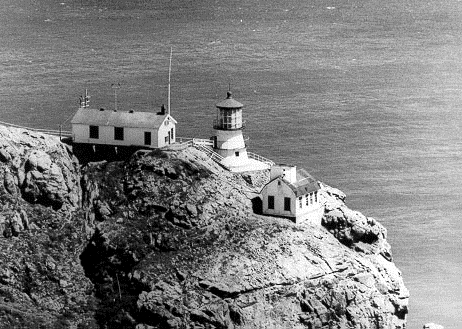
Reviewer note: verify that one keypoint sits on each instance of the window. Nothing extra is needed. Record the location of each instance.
(172, 136)
(230, 118)
(316, 197)
(227, 119)
(166, 139)
(236, 154)
(311, 198)
(270, 201)
(307, 199)
(94, 132)
(300, 203)
(119, 133)
(287, 204)
(147, 138)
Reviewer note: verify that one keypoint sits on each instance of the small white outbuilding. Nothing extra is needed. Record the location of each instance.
(123, 128)
(293, 194)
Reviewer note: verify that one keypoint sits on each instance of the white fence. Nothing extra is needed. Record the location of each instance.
(206, 146)
(184, 140)
(203, 142)
(260, 158)
(60, 132)
(194, 141)
(210, 152)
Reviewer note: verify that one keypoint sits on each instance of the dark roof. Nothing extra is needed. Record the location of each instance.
(305, 183)
(130, 119)
(229, 103)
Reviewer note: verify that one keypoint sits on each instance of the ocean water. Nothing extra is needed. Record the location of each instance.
(364, 94)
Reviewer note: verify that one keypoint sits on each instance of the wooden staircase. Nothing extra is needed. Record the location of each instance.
(211, 154)
(206, 146)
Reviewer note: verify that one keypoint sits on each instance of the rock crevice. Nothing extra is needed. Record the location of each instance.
(226, 267)
(169, 239)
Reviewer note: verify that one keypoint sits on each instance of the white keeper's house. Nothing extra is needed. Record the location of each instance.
(293, 194)
(123, 128)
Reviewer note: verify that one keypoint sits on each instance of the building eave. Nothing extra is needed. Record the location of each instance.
(169, 117)
(296, 190)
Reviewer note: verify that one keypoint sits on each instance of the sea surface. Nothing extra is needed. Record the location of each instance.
(365, 94)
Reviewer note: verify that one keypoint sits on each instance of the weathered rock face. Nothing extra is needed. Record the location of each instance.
(42, 284)
(169, 239)
(177, 245)
(353, 229)
(39, 168)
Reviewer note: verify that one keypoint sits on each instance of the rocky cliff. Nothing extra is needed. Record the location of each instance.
(168, 239)
(42, 282)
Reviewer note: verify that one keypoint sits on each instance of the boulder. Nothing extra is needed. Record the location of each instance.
(352, 228)
(39, 167)
(39, 160)
(5, 157)
(10, 182)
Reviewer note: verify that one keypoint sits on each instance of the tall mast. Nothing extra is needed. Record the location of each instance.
(86, 99)
(169, 77)
(115, 86)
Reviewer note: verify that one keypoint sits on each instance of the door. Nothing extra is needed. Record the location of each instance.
(147, 138)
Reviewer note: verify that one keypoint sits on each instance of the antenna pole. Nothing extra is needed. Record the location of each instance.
(115, 87)
(86, 99)
(169, 78)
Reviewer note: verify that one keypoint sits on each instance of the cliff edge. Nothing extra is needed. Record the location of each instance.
(168, 239)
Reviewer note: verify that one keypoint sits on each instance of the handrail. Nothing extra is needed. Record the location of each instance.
(193, 141)
(211, 153)
(39, 130)
(201, 141)
(184, 140)
(260, 158)
(205, 145)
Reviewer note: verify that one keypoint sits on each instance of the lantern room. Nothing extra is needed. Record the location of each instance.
(229, 114)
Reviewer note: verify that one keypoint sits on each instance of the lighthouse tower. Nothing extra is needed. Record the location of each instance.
(228, 139)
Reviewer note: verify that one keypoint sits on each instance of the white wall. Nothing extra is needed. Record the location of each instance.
(163, 132)
(232, 153)
(312, 212)
(132, 136)
(230, 139)
(80, 133)
(279, 191)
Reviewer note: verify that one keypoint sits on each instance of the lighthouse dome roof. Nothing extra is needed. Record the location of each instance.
(229, 103)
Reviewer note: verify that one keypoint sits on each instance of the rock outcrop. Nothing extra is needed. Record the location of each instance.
(38, 167)
(180, 247)
(168, 239)
(353, 229)
(42, 283)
